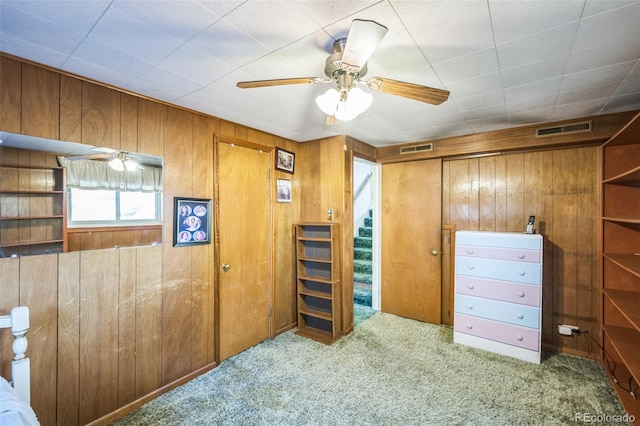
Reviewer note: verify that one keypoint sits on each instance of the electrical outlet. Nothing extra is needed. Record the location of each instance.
(567, 330)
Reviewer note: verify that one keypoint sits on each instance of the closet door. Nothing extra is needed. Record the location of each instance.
(411, 239)
(244, 249)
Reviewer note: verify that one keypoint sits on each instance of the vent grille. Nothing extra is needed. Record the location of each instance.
(581, 127)
(416, 148)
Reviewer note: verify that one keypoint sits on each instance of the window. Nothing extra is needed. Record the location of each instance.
(105, 207)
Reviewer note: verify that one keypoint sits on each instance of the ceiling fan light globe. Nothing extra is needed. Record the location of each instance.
(345, 111)
(117, 164)
(130, 165)
(359, 99)
(328, 101)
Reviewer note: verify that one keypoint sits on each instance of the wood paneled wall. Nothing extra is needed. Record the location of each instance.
(560, 188)
(114, 326)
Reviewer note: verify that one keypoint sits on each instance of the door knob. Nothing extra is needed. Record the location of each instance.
(226, 267)
(435, 252)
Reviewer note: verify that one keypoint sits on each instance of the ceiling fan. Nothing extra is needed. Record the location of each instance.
(346, 66)
(118, 160)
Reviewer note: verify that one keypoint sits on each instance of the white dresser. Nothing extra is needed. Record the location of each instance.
(498, 292)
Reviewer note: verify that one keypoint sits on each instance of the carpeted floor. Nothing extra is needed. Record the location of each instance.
(389, 371)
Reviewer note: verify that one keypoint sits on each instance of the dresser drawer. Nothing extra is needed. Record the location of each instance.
(523, 315)
(499, 290)
(521, 272)
(512, 240)
(522, 337)
(517, 255)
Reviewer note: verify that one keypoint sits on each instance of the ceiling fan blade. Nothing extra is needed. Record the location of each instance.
(416, 92)
(280, 82)
(90, 156)
(364, 37)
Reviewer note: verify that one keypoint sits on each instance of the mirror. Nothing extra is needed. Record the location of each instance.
(85, 197)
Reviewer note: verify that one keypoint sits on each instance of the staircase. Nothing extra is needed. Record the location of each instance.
(362, 265)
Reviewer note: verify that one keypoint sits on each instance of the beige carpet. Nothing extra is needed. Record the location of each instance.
(389, 371)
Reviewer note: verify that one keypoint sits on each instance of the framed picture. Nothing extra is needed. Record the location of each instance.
(284, 190)
(191, 221)
(285, 160)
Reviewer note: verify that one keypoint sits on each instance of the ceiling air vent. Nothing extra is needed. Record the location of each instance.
(416, 148)
(567, 129)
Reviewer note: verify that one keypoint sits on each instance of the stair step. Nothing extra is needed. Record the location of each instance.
(368, 222)
(362, 253)
(362, 266)
(362, 242)
(362, 297)
(365, 232)
(362, 278)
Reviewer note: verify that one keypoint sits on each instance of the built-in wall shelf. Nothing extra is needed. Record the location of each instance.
(620, 263)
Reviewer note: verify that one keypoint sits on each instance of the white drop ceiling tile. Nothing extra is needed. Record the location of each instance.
(593, 7)
(516, 19)
(532, 116)
(635, 72)
(538, 89)
(456, 40)
(129, 35)
(517, 107)
(180, 19)
(536, 47)
(421, 17)
(325, 12)
(608, 27)
(220, 8)
(284, 25)
(578, 110)
(603, 55)
(90, 70)
(75, 16)
(588, 93)
(272, 66)
(91, 51)
(21, 25)
(622, 103)
(489, 124)
(195, 65)
(629, 86)
(484, 113)
(28, 50)
(175, 85)
(481, 100)
(534, 71)
(468, 66)
(229, 44)
(309, 53)
(475, 86)
(596, 77)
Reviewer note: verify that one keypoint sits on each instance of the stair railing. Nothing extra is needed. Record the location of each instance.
(363, 184)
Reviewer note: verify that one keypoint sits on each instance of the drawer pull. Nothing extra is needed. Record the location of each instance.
(470, 267)
(469, 251)
(469, 326)
(519, 338)
(470, 286)
(520, 294)
(520, 316)
(521, 273)
(469, 306)
(520, 256)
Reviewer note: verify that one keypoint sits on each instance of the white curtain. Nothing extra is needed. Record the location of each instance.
(89, 174)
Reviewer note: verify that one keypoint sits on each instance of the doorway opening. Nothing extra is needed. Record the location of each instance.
(366, 231)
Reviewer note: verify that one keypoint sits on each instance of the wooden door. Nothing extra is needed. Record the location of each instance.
(243, 234)
(411, 240)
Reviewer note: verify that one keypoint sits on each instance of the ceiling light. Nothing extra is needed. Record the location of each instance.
(346, 105)
(122, 162)
(117, 164)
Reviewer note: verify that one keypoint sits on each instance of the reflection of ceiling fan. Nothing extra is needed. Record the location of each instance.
(346, 66)
(118, 160)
